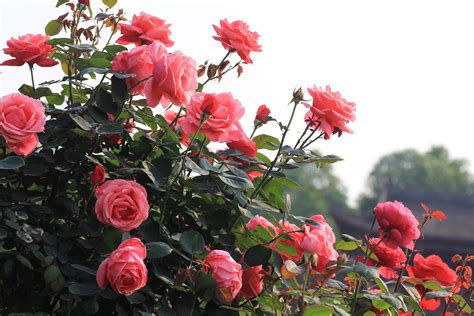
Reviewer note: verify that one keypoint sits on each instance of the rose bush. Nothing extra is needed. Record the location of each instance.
(110, 207)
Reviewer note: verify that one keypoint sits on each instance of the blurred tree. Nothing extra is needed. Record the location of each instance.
(321, 191)
(432, 171)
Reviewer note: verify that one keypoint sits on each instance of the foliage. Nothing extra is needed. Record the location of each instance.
(196, 247)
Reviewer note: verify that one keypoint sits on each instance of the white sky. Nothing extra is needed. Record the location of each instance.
(407, 64)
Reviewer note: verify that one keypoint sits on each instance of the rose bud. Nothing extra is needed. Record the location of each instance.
(263, 114)
(98, 175)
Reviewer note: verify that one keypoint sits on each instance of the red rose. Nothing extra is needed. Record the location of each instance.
(222, 124)
(98, 175)
(122, 204)
(431, 268)
(145, 29)
(329, 112)
(236, 36)
(263, 114)
(226, 272)
(398, 225)
(388, 258)
(21, 118)
(124, 270)
(252, 281)
(30, 49)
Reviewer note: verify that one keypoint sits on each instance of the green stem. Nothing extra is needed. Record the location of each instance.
(218, 66)
(303, 287)
(277, 156)
(32, 80)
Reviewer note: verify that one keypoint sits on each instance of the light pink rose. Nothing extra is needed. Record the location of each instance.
(145, 29)
(137, 62)
(31, 49)
(329, 112)
(252, 282)
(122, 204)
(124, 270)
(236, 36)
(398, 225)
(174, 78)
(226, 272)
(21, 118)
(222, 123)
(324, 235)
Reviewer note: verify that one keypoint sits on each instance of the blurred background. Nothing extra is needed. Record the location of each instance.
(408, 65)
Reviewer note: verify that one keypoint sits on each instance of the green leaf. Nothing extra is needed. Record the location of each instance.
(24, 261)
(119, 90)
(83, 289)
(266, 142)
(380, 304)
(432, 285)
(53, 27)
(366, 271)
(11, 162)
(346, 237)
(61, 2)
(100, 62)
(382, 285)
(235, 182)
(318, 311)
(192, 242)
(437, 294)
(84, 269)
(462, 302)
(114, 49)
(257, 255)
(157, 250)
(287, 249)
(109, 3)
(346, 245)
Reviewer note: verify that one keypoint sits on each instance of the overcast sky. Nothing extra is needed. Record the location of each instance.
(408, 65)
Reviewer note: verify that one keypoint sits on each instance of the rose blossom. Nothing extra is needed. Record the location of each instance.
(98, 175)
(294, 241)
(226, 272)
(398, 225)
(122, 204)
(431, 268)
(144, 29)
(263, 114)
(329, 112)
(222, 123)
(30, 49)
(324, 238)
(388, 258)
(124, 270)
(21, 118)
(136, 62)
(236, 36)
(174, 78)
(252, 282)
(260, 221)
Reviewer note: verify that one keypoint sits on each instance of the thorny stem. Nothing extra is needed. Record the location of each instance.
(218, 66)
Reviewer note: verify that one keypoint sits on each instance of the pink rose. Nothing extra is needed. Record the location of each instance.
(98, 175)
(137, 62)
(388, 258)
(324, 234)
(124, 270)
(174, 78)
(226, 272)
(21, 118)
(222, 123)
(260, 221)
(329, 112)
(263, 114)
(30, 49)
(245, 145)
(122, 204)
(145, 29)
(252, 281)
(398, 225)
(312, 242)
(294, 242)
(236, 36)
